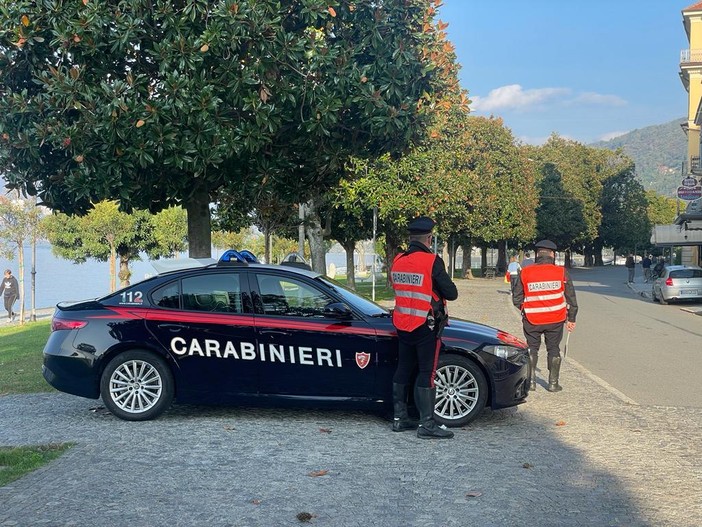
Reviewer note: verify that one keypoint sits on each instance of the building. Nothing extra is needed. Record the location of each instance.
(686, 232)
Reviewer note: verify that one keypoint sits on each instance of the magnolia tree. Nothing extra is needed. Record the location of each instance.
(153, 102)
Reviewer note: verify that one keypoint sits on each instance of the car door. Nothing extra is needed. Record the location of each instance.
(205, 321)
(303, 352)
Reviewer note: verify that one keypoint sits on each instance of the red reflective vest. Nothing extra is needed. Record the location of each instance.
(544, 294)
(414, 292)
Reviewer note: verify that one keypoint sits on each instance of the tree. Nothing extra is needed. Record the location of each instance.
(19, 224)
(170, 234)
(352, 221)
(559, 216)
(661, 209)
(625, 221)
(156, 103)
(105, 234)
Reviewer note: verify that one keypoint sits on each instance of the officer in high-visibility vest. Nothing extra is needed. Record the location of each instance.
(422, 287)
(545, 295)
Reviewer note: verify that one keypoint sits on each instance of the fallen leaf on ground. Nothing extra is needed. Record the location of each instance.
(229, 428)
(473, 494)
(561, 423)
(317, 473)
(527, 465)
(305, 516)
(256, 502)
(325, 430)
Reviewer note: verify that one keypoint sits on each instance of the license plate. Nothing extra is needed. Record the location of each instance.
(688, 291)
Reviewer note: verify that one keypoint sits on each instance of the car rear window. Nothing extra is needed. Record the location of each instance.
(686, 273)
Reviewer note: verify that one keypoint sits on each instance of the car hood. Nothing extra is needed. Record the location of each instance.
(471, 333)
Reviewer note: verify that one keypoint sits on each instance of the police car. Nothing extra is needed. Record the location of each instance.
(240, 332)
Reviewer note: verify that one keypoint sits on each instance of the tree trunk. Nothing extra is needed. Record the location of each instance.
(501, 267)
(566, 259)
(598, 253)
(467, 267)
(199, 226)
(20, 273)
(350, 272)
(124, 272)
(588, 256)
(392, 249)
(267, 245)
(483, 257)
(113, 268)
(315, 237)
(361, 258)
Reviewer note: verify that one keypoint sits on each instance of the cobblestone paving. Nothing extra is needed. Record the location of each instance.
(580, 457)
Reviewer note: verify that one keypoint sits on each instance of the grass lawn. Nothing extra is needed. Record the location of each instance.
(20, 372)
(21, 359)
(15, 462)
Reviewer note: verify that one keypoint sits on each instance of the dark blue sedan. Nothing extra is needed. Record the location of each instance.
(251, 334)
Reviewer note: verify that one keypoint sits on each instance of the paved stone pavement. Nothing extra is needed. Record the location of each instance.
(584, 457)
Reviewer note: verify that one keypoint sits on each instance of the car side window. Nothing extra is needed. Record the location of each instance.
(167, 296)
(285, 296)
(213, 292)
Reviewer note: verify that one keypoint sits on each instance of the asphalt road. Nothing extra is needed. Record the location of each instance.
(647, 351)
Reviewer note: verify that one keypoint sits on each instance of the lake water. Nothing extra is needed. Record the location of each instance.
(58, 280)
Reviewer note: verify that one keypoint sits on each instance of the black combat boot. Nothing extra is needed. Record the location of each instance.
(401, 420)
(428, 429)
(533, 360)
(554, 370)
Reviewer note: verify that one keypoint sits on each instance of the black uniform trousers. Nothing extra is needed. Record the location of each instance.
(553, 333)
(418, 349)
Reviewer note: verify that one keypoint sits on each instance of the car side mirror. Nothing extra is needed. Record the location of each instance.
(337, 310)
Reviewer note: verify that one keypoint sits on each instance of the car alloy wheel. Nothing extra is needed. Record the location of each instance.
(137, 385)
(461, 391)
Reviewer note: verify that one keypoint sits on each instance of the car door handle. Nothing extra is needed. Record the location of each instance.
(171, 327)
(274, 332)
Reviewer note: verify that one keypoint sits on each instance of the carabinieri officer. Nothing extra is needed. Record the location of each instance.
(422, 288)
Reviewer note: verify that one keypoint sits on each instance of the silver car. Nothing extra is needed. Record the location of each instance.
(678, 282)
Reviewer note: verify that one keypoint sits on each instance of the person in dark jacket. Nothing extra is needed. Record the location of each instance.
(630, 268)
(546, 297)
(422, 287)
(10, 292)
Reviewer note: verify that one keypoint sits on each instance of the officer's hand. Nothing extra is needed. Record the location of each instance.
(570, 326)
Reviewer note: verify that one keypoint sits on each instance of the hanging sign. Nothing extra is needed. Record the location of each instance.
(690, 193)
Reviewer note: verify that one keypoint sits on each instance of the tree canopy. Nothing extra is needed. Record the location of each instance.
(156, 103)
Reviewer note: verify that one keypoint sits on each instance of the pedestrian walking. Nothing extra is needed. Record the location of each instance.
(646, 265)
(513, 270)
(545, 295)
(630, 266)
(422, 287)
(10, 293)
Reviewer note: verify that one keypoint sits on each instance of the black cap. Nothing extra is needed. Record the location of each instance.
(421, 225)
(546, 244)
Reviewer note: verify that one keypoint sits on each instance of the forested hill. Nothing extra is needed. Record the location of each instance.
(658, 152)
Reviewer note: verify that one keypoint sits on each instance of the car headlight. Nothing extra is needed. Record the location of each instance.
(503, 351)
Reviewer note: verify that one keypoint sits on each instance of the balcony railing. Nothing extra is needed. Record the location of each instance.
(690, 56)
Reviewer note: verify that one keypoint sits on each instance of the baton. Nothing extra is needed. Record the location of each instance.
(565, 348)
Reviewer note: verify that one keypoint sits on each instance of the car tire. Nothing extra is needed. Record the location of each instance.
(662, 300)
(461, 390)
(137, 385)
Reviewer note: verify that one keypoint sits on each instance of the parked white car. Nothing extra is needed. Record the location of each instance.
(678, 282)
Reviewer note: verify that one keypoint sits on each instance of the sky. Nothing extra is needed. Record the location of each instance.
(587, 70)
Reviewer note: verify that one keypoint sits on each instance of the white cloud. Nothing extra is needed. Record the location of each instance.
(611, 135)
(514, 96)
(599, 99)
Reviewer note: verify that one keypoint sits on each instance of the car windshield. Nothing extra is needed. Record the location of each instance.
(352, 299)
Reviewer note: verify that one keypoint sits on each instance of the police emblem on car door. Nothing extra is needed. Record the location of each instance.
(304, 350)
